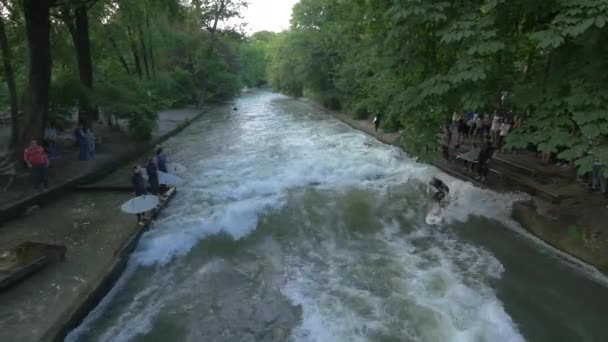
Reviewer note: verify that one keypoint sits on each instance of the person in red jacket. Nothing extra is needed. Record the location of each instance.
(36, 159)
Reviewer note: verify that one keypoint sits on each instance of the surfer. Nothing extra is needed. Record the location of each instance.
(152, 170)
(139, 186)
(161, 160)
(440, 194)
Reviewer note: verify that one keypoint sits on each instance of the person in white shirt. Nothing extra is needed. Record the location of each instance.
(504, 129)
(495, 128)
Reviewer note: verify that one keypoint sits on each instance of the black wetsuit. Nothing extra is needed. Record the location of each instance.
(153, 178)
(442, 190)
(139, 186)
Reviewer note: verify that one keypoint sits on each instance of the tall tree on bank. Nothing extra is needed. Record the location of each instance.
(416, 62)
(75, 16)
(10, 82)
(210, 13)
(36, 105)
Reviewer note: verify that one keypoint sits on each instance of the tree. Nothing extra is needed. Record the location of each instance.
(210, 13)
(107, 54)
(37, 27)
(418, 61)
(74, 14)
(10, 82)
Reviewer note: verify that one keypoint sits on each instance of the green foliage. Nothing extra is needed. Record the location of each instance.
(65, 92)
(252, 64)
(127, 101)
(147, 55)
(172, 89)
(415, 62)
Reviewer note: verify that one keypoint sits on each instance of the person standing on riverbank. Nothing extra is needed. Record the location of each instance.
(376, 121)
(37, 160)
(485, 154)
(152, 170)
(81, 142)
(504, 129)
(495, 128)
(598, 181)
(161, 160)
(90, 139)
(446, 140)
(462, 130)
(139, 186)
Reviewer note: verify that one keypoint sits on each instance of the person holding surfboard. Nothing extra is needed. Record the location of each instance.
(139, 186)
(376, 121)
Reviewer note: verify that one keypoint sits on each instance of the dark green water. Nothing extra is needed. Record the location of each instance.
(293, 227)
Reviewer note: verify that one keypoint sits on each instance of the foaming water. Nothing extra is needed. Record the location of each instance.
(291, 225)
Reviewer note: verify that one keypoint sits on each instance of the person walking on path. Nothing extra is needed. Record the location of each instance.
(139, 187)
(161, 160)
(36, 159)
(376, 121)
(152, 176)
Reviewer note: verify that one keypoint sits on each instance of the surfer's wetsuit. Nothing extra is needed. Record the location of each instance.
(139, 186)
(441, 190)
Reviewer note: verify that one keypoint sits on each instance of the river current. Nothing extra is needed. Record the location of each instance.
(292, 226)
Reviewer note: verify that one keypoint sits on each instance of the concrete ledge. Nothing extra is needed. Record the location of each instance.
(575, 241)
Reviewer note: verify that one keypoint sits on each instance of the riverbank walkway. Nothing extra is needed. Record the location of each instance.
(115, 148)
(577, 217)
(97, 236)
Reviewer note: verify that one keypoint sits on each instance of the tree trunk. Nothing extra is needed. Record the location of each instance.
(212, 30)
(10, 84)
(144, 52)
(152, 63)
(36, 106)
(78, 25)
(82, 43)
(119, 55)
(135, 54)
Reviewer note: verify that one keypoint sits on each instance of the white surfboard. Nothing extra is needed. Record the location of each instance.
(165, 178)
(434, 217)
(176, 168)
(169, 179)
(139, 204)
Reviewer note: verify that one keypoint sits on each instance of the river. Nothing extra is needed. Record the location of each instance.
(294, 227)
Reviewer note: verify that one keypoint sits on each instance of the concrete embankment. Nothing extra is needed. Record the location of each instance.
(543, 219)
(99, 239)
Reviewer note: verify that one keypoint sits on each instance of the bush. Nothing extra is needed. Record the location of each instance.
(359, 111)
(172, 90)
(65, 93)
(126, 99)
